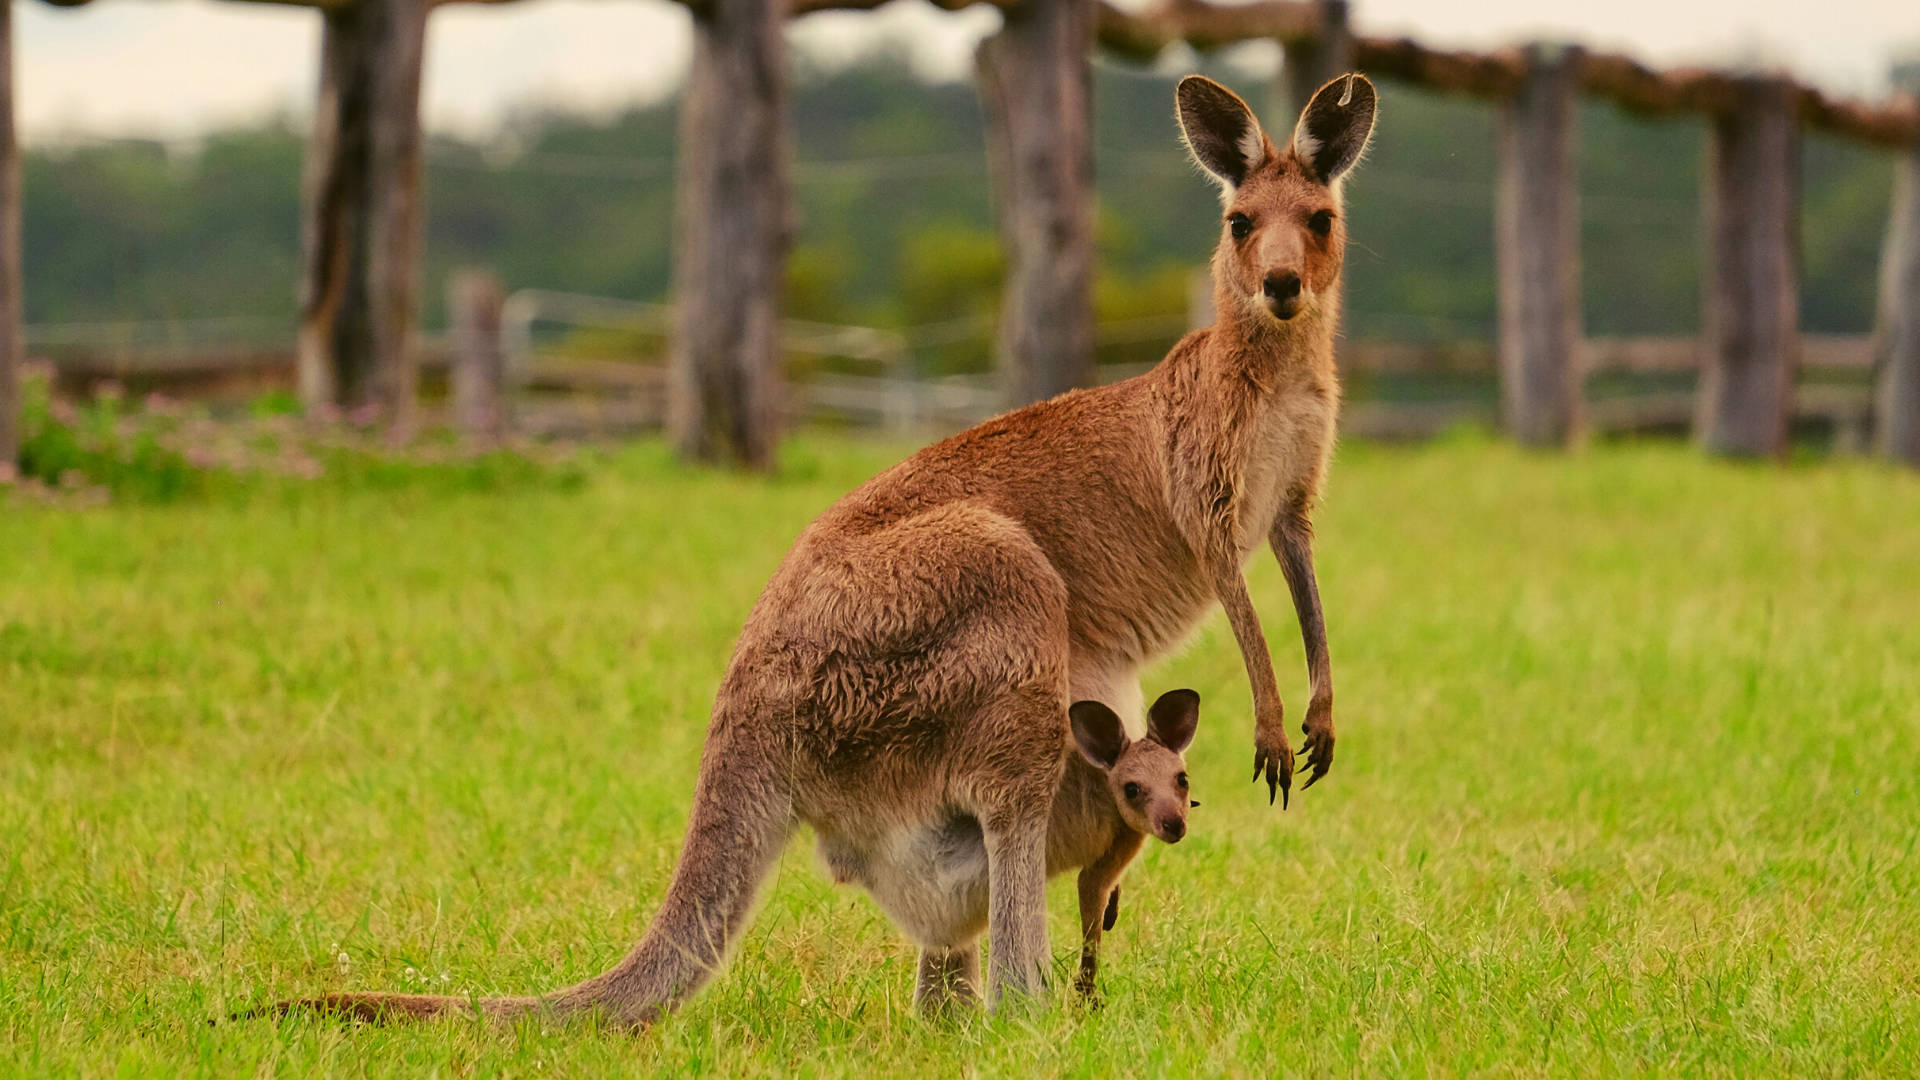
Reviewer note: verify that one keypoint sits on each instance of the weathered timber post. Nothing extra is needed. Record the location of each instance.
(1036, 86)
(12, 346)
(361, 238)
(1897, 399)
(478, 361)
(1537, 229)
(1311, 63)
(731, 236)
(1752, 318)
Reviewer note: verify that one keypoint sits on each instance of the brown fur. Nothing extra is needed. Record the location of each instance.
(905, 676)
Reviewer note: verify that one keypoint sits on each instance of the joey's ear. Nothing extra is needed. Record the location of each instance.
(1173, 719)
(1098, 733)
(1220, 131)
(1335, 126)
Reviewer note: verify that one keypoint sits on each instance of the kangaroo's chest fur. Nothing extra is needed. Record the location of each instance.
(929, 874)
(1285, 455)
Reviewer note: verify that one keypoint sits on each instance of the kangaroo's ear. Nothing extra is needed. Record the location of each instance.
(1173, 718)
(1220, 131)
(1335, 126)
(1098, 733)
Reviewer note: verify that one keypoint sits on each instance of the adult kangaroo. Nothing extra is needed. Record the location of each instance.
(913, 658)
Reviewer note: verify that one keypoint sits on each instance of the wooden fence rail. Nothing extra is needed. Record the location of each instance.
(485, 340)
(362, 224)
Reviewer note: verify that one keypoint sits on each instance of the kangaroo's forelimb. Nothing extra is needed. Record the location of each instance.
(1272, 754)
(1292, 543)
(1099, 888)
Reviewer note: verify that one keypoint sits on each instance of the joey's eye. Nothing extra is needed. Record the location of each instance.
(1181, 780)
(1240, 224)
(1133, 791)
(1321, 223)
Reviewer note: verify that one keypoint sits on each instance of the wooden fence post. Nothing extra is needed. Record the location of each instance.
(1313, 62)
(1897, 400)
(1752, 319)
(478, 362)
(12, 347)
(361, 237)
(1537, 227)
(731, 236)
(1035, 83)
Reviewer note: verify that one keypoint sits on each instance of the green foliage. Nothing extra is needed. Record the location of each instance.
(275, 403)
(107, 450)
(949, 270)
(98, 445)
(1843, 223)
(950, 274)
(817, 274)
(131, 231)
(1623, 784)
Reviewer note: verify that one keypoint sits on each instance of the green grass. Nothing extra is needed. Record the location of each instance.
(1626, 783)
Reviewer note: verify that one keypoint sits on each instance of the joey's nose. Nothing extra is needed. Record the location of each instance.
(1173, 829)
(1282, 292)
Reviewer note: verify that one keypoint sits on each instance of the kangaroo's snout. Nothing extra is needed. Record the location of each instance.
(1172, 829)
(1282, 291)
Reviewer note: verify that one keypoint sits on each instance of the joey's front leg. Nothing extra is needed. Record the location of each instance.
(1271, 754)
(1292, 542)
(1098, 896)
(1100, 904)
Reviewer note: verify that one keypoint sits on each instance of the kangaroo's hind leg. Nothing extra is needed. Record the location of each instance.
(1026, 733)
(1017, 919)
(1004, 665)
(947, 977)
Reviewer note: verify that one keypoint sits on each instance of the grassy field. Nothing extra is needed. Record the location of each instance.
(1627, 782)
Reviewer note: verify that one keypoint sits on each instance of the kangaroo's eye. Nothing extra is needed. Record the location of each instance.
(1181, 780)
(1240, 224)
(1321, 223)
(1133, 791)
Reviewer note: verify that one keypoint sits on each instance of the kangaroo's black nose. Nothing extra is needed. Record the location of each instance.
(1173, 829)
(1282, 286)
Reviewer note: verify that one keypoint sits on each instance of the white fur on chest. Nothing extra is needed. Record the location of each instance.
(1287, 453)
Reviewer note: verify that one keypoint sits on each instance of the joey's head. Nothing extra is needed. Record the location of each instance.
(1282, 235)
(1148, 778)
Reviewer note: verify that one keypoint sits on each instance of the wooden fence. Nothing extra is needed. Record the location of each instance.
(363, 220)
(492, 373)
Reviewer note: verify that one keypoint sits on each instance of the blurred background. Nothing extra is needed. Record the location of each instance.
(231, 201)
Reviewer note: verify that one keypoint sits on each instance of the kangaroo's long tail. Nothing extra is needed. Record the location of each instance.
(742, 817)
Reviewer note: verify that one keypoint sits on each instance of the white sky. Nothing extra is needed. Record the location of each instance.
(179, 67)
